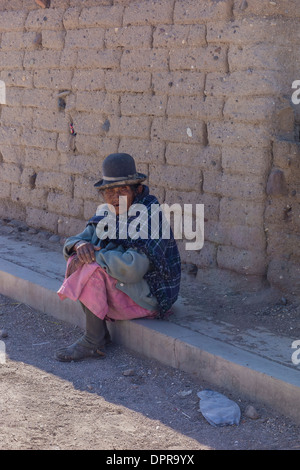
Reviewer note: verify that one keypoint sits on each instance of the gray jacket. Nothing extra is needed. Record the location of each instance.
(127, 266)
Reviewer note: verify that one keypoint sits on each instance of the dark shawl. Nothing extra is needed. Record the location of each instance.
(164, 275)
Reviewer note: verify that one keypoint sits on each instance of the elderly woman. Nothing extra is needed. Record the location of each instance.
(117, 276)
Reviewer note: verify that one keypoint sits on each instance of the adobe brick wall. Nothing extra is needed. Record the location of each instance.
(199, 91)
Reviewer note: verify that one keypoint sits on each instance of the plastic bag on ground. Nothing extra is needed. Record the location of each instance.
(217, 409)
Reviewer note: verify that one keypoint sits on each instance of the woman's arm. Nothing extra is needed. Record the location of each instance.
(126, 266)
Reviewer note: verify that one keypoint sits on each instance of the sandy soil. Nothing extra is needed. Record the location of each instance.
(123, 402)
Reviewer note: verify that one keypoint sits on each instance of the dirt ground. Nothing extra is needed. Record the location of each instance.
(126, 402)
(122, 402)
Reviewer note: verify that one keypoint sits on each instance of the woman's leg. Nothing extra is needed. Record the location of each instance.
(95, 338)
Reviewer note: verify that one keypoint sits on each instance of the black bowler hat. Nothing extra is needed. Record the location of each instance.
(118, 169)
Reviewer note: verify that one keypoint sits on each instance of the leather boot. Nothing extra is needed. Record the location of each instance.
(95, 338)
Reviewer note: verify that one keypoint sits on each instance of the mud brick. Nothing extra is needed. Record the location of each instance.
(243, 186)
(211, 181)
(153, 12)
(127, 81)
(210, 59)
(246, 160)
(65, 205)
(54, 180)
(18, 41)
(28, 177)
(143, 151)
(107, 59)
(16, 115)
(250, 109)
(45, 160)
(68, 59)
(205, 258)
(71, 17)
(283, 212)
(41, 219)
(98, 101)
(4, 190)
(281, 243)
(135, 105)
(191, 11)
(53, 39)
(31, 198)
(261, 56)
(84, 39)
(182, 130)
(12, 154)
(7, 208)
(244, 83)
(10, 135)
(88, 123)
(10, 173)
(194, 155)
(130, 126)
(39, 138)
(101, 16)
(266, 8)
(200, 107)
(132, 37)
(286, 154)
(178, 83)
(11, 5)
(79, 164)
(45, 19)
(101, 146)
(88, 80)
(175, 177)
(253, 30)
(54, 121)
(14, 96)
(11, 60)
(239, 134)
(172, 36)
(68, 226)
(12, 20)
(17, 78)
(145, 59)
(85, 185)
(44, 59)
(211, 203)
(239, 236)
(242, 261)
(241, 211)
(40, 98)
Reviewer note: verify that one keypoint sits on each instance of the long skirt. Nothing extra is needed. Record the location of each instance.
(91, 285)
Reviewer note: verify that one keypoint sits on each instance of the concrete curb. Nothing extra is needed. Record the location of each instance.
(221, 364)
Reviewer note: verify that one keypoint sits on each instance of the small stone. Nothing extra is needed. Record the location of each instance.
(184, 393)
(3, 334)
(128, 372)
(251, 412)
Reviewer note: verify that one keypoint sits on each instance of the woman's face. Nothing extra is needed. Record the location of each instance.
(111, 196)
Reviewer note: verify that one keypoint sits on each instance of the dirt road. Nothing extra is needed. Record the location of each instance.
(123, 402)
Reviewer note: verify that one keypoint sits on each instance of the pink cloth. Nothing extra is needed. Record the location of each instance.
(91, 285)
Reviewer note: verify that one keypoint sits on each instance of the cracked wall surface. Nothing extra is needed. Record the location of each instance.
(198, 91)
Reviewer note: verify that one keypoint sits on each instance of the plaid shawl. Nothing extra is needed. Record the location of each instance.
(165, 273)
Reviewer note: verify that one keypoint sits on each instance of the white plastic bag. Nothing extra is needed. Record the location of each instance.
(217, 409)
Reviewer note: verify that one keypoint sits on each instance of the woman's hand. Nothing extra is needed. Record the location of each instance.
(73, 265)
(86, 252)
